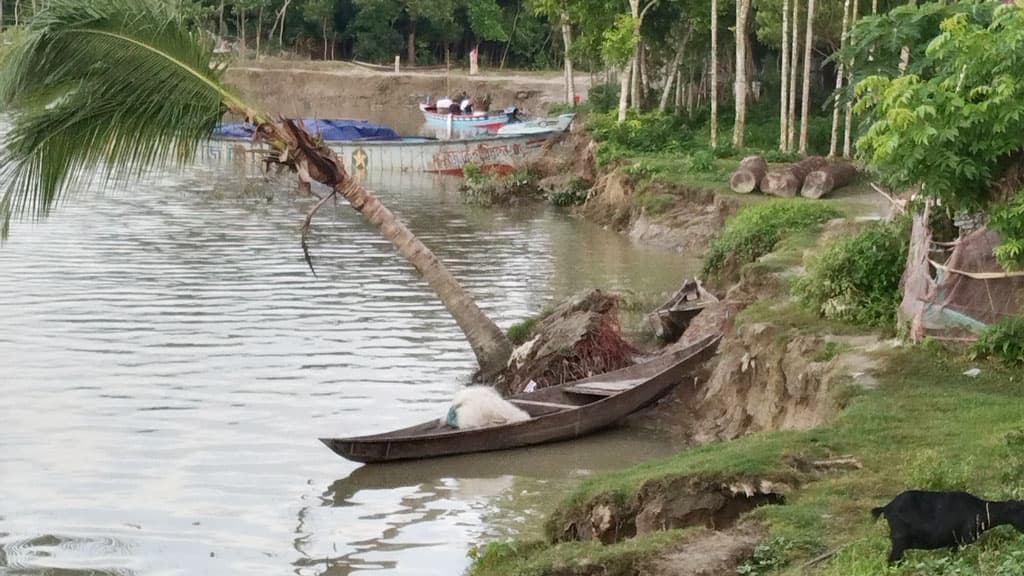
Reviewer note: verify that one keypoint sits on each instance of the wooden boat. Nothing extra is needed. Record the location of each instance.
(558, 123)
(558, 413)
(487, 120)
(670, 320)
(501, 154)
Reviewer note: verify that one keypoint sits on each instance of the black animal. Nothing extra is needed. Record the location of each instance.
(928, 520)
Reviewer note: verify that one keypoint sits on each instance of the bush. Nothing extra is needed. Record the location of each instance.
(603, 97)
(520, 332)
(573, 195)
(702, 161)
(641, 132)
(857, 279)
(755, 230)
(487, 189)
(1003, 340)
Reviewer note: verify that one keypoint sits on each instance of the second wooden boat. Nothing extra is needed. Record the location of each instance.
(670, 320)
(558, 412)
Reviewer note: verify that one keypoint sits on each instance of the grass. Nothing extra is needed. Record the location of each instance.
(925, 426)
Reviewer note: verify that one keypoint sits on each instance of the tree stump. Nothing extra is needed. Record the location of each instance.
(749, 175)
(827, 179)
(787, 181)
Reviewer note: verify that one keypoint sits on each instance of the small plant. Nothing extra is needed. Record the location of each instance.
(702, 161)
(830, 350)
(931, 471)
(857, 279)
(755, 230)
(768, 557)
(574, 194)
(520, 332)
(1003, 340)
(641, 170)
(487, 189)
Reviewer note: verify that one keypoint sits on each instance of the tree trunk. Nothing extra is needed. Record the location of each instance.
(410, 46)
(740, 84)
(714, 74)
(624, 91)
(784, 76)
(570, 79)
(634, 86)
(284, 18)
(259, 31)
(794, 64)
(325, 38)
(490, 345)
(645, 83)
(805, 105)
(221, 26)
(905, 51)
(1, 15)
(827, 178)
(512, 35)
(17, 10)
(673, 71)
(848, 124)
(787, 181)
(834, 141)
(749, 175)
(241, 31)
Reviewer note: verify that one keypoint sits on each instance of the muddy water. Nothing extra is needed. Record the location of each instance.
(168, 364)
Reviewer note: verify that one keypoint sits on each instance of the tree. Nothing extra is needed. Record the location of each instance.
(794, 67)
(714, 74)
(739, 126)
(125, 85)
(805, 104)
(784, 77)
(834, 142)
(321, 12)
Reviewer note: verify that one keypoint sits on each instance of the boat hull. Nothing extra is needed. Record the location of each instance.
(501, 154)
(488, 121)
(432, 439)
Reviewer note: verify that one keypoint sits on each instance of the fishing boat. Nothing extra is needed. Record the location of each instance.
(479, 120)
(558, 123)
(670, 320)
(364, 147)
(557, 413)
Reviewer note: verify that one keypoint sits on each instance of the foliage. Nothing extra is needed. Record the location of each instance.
(857, 278)
(640, 132)
(520, 332)
(1003, 340)
(619, 41)
(1008, 220)
(950, 125)
(574, 194)
(755, 230)
(767, 558)
(488, 189)
(118, 84)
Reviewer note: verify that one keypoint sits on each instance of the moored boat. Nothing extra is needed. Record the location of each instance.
(373, 149)
(558, 123)
(670, 320)
(557, 413)
(479, 120)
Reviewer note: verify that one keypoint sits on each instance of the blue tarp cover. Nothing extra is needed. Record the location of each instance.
(329, 129)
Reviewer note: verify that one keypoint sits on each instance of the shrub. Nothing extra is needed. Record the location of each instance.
(572, 195)
(520, 332)
(487, 189)
(641, 132)
(755, 230)
(768, 557)
(1003, 340)
(857, 279)
(702, 161)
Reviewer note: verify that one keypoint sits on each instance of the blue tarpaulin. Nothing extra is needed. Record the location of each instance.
(329, 129)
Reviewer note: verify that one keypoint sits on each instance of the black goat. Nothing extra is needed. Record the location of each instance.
(929, 520)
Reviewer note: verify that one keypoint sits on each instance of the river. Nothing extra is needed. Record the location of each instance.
(168, 363)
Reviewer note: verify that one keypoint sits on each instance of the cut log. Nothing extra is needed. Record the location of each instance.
(827, 179)
(787, 181)
(749, 175)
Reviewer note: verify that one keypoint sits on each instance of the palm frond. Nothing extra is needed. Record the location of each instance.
(120, 85)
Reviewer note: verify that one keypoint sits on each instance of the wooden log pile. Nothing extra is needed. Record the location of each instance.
(747, 178)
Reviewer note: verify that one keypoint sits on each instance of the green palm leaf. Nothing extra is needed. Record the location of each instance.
(120, 85)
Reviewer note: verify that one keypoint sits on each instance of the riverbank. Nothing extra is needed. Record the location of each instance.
(803, 424)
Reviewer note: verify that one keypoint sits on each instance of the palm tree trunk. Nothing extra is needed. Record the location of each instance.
(834, 141)
(848, 125)
(784, 76)
(714, 73)
(489, 343)
(793, 76)
(241, 31)
(259, 31)
(740, 84)
(805, 104)
(570, 79)
(624, 90)
(673, 72)
(644, 79)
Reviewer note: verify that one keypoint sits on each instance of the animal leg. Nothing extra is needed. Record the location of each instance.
(898, 548)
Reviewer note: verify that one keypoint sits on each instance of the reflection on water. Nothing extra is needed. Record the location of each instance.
(169, 363)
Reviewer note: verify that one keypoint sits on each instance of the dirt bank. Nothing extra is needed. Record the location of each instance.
(345, 91)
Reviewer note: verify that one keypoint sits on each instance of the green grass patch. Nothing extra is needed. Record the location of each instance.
(756, 229)
(521, 331)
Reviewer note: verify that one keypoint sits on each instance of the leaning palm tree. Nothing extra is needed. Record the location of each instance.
(126, 86)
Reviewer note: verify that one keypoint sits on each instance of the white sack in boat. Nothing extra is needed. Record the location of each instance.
(477, 406)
